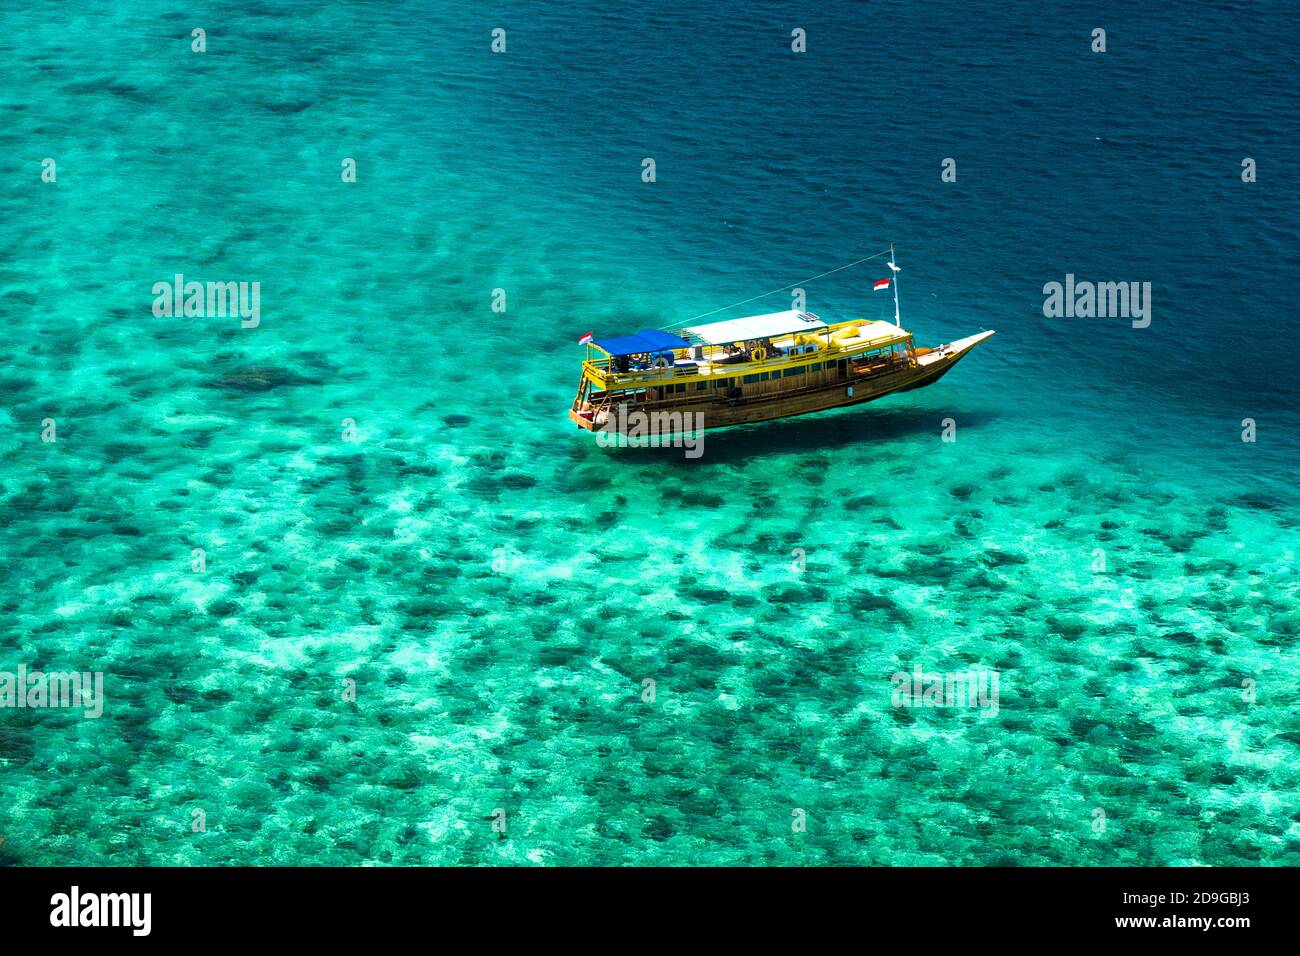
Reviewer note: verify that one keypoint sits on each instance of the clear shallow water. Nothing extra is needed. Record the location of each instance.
(497, 586)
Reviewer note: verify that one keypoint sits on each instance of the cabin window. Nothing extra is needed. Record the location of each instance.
(725, 383)
(701, 386)
(815, 367)
(763, 377)
(792, 371)
(750, 379)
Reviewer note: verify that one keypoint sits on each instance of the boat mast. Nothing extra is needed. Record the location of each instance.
(897, 321)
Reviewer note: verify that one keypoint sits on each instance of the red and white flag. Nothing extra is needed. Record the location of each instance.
(881, 284)
(585, 339)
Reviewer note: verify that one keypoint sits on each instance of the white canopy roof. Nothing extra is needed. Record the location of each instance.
(755, 327)
(879, 332)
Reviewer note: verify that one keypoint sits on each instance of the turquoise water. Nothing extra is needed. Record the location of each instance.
(497, 588)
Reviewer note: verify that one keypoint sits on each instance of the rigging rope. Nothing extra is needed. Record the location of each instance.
(785, 287)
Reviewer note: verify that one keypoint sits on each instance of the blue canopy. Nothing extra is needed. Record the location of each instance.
(647, 340)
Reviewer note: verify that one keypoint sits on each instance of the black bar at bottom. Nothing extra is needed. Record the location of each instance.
(332, 906)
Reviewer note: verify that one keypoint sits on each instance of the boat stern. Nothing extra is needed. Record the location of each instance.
(583, 418)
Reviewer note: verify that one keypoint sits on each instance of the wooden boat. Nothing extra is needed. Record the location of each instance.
(756, 368)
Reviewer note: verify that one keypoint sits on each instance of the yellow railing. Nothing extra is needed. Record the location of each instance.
(599, 370)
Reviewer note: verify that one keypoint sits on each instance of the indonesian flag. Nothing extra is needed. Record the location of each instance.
(585, 339)
(881, 284)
